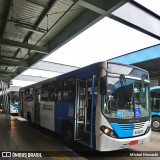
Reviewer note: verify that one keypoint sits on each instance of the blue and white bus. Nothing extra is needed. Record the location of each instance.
(13, 97)
(104, 105)
(155, 108)
(11, 100)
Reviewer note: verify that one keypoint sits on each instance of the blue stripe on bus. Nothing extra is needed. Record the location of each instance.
(123, 130)
(62, 113)
(155, 89)
(155, 114)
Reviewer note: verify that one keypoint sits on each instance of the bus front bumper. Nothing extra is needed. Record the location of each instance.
(106, 143)
(13, 111)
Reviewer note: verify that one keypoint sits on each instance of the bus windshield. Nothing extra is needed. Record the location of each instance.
(126, 98)
(14, 97)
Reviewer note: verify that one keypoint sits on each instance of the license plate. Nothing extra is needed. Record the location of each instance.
(138, 132)
(133, 142)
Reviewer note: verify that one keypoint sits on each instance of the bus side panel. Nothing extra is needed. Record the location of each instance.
(64, 111)
(47, 115)
(28, 107)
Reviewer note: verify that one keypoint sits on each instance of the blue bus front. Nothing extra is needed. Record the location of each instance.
(14, 108)
(125, 113)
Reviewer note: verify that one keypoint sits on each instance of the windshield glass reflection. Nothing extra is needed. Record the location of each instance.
(126, 98)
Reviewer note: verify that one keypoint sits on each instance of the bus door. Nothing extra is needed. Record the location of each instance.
(20, 109)
(91, 96)
(85, 110)
(37, 105)
(80, 109)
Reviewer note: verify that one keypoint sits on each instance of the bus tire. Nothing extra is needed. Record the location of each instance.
(29, 119)
(68, 134)
(155, 124)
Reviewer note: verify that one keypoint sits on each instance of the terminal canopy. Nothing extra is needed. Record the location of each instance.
(28, 35)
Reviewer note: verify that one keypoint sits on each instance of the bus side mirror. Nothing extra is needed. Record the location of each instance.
(103, 85)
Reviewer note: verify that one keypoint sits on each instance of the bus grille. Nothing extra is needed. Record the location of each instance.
(132, 126)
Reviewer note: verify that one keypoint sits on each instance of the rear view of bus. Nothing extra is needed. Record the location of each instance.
(124, 117)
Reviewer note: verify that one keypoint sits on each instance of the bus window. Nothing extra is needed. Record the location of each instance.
(14, 97)
(55, 91)
(155, 101)
(45, 92)
(69, 89)
(29, 94)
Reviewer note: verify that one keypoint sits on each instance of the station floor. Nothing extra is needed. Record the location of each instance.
(16, 135)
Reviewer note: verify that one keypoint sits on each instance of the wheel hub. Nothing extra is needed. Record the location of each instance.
(156, 124)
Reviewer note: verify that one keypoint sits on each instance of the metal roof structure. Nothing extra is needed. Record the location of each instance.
(32, 29)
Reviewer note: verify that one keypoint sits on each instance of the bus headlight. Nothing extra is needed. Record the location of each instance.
(107, 131)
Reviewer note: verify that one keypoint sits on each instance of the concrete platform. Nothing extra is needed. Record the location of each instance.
(18, 137)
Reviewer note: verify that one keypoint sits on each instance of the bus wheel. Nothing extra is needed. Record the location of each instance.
(68, 134)
(29, 119)
(155, 124)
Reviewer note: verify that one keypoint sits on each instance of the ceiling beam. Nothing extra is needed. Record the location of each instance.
(17, 44)
(6, 52)
(4, 20)
(7, 73)
(26, 26)
(30, 28)
(22, 63)
(91, 7)
(5, 79)
(102, 6)
(2, 76)
(10, 58)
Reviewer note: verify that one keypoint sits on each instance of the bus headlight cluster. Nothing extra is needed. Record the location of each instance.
(107, 131)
